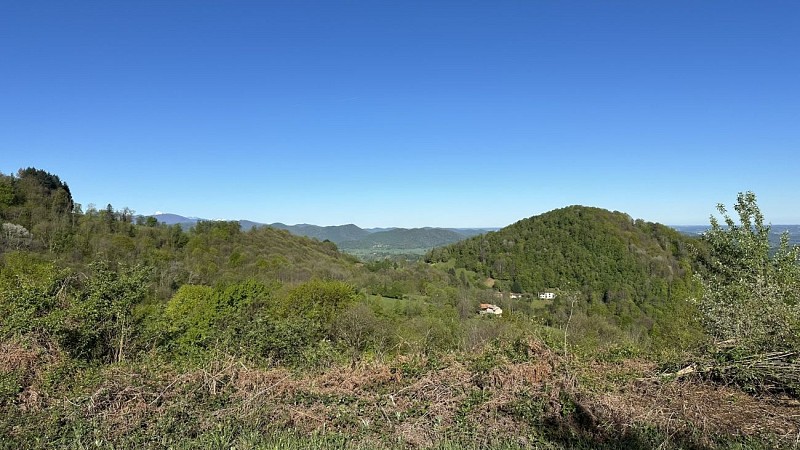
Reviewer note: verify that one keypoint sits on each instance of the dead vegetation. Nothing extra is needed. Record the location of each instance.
(696, 408)
(22, 368)
(418, 402)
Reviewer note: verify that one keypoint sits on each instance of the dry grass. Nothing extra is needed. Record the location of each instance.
(28, 363)
(451, 398)
(697, 408)
(364, 399)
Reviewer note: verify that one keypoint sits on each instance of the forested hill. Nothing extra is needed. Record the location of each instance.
(366, 244)
(593, 250)
(336, 234)
(38, 216)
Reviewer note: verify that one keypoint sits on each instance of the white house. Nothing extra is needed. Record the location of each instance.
(547, 295)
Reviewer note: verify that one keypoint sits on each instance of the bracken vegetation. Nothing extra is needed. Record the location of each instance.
(120, 332)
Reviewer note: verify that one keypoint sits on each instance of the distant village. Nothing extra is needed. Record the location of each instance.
(488, 308)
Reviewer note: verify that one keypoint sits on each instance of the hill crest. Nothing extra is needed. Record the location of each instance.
(590, 249)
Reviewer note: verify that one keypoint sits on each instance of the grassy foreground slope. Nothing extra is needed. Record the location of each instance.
(515, 396)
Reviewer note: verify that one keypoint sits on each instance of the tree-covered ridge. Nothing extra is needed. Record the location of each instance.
(369, 244)
(579, 248)
(36, 205)
(336, 234)
(38, 215)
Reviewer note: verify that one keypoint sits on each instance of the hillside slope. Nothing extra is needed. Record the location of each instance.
(336, 233)
(218, 251)
(39, 211)
(604, 253)
(351, 237)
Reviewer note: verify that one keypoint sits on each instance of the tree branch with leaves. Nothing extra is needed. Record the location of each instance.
(751, 291)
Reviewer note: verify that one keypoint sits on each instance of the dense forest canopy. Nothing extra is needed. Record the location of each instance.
(604, 253)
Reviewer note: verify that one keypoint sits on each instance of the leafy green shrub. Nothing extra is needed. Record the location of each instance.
(429, 334)
(358, 329)
(752, 296)
(319, 300)
(189, 314)
(28, 292)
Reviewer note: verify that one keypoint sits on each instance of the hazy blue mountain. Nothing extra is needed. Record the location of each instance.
(335, 234)
(774, 235)
(690, 230)
(794, 233)
(353, 237)
(248, 225)
(375, 230)
(469, 232)
(188, 222)
(173, 219)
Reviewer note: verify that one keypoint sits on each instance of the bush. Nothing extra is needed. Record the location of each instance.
(751, 294)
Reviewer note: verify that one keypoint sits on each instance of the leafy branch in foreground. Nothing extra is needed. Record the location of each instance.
(751, 299)
(751, 296)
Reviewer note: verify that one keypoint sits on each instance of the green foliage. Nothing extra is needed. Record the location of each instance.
(429, 334)
(41, 204)
(87, 314)
(251, 319)
(30, 289)
(188, 315)
(6, 192)
(249, 322)
(594, 250)
(751, 296)
(319, 300)
(358, 328)
(205, 314)
(97, 324)
(628, 275)
(676, 328)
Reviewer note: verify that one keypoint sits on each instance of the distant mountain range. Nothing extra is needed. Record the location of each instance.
(336, 234)
(352, 237)
(775, 232)
(174, 219)
(362, 240)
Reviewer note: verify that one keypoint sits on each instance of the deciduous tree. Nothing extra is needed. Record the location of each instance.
(751, 293)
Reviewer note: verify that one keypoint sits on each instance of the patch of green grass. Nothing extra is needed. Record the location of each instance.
(388, 304)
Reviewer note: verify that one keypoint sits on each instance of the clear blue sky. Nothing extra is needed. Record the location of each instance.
(406, 113)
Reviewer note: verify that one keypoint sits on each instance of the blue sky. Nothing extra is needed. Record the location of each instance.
(406, 113)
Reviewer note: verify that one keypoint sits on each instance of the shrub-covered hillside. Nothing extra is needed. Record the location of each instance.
(39, 216)
(120, 332)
